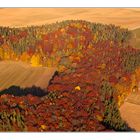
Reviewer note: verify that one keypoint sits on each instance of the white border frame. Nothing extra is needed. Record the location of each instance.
(70, 3)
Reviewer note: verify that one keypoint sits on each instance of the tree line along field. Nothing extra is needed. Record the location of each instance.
(96, 69)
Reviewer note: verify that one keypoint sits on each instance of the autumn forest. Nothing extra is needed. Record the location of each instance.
(95, 68)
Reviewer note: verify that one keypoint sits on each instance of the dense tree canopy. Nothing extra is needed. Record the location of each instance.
(96, 71)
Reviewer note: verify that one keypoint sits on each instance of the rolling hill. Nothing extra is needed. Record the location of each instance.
(17, 17)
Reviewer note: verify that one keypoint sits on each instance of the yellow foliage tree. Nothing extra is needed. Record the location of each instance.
(6, 52)
(6, 55)
(1, 53)
(25, 57)
(35, 60)
(123, 92)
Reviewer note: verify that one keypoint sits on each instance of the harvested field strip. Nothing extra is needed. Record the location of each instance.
(23, 75)
(130, 111)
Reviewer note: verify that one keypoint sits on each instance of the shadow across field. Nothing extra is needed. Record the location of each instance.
(34, 90)
(127, 129)
(18, 91)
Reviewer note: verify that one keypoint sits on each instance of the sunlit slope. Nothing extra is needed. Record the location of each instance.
(125, 17)
(23, 75)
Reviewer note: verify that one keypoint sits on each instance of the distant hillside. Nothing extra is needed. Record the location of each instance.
(17, 17)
